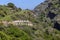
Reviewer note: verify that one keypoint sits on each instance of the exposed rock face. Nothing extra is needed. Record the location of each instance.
(51, 9)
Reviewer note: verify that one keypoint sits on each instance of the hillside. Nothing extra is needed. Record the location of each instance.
(15, 23)
(45, 19)
(48, 13)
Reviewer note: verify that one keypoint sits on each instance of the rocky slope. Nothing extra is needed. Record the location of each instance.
(50, 9)
(48, 13)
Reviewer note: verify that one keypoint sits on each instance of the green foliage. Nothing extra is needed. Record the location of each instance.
(11, 5)
(13, 33)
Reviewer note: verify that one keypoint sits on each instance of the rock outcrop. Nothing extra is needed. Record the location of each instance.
(51, 10)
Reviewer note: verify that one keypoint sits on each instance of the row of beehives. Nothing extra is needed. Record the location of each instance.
(17, 22)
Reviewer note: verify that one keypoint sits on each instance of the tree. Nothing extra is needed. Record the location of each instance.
(11, 5)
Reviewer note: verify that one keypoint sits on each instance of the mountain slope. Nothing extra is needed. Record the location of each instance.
(48, 14)
(50, 10)
(45, 19)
